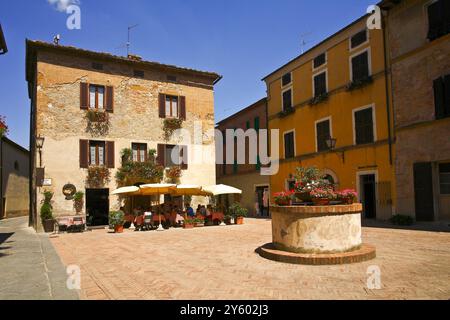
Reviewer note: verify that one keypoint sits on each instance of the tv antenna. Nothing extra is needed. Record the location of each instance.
(303, 42)
(128, 43)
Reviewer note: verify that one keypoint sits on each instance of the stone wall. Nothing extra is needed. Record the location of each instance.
(135, 119)
(15, 180)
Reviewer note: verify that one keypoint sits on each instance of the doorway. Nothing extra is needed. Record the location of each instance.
(97, 207)
(262, 200)
(368, 195)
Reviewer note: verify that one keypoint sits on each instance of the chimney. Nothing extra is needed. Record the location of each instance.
(134, 57)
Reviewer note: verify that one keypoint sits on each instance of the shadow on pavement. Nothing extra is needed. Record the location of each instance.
(5, 236)
(417, 226)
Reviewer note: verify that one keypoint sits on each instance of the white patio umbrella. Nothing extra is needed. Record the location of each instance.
(188, 190)
(220, 189)
(126, 190)
(157, 189)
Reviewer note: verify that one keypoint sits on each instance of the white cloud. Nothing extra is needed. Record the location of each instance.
(61, 5)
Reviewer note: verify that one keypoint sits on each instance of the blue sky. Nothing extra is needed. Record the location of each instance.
(243, 40)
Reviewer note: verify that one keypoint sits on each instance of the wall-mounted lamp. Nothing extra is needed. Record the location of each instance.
(331, 144)
(39, 144)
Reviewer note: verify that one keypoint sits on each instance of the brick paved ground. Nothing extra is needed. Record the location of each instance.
(220, 263)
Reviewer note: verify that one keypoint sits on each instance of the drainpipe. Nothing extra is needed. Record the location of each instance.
(1, 177)
(386, 74)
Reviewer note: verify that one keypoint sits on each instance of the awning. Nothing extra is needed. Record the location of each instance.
(126, 190)
(220, 189)
(188, 190)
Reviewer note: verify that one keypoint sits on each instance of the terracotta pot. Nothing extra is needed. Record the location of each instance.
(304, 196)
(321, 202)
(239, 220)
(118, 229)
(282, 203)
(348, 200)
(198, 225)
(49, 225)
(188, 226)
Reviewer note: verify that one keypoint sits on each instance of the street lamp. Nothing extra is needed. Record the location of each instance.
(39, 144)
(331, 144)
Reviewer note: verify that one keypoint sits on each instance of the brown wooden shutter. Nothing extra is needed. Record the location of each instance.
(110, 154)
(183, 108)
(160, 159)
(439, 100)
(109, 100)
(84, 153)
(447, 95)
(162, 105)
(184, 157)
(84, 95)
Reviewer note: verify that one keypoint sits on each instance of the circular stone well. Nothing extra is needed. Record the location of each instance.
(317, 235)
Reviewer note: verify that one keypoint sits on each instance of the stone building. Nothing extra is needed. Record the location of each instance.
(333, 112)
(418, 33)
(247, 177)
(90, 107)
(14, 175)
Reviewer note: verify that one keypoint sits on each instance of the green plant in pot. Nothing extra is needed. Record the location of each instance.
(283, 198)
(238, 212)
(116, 220)
(48, 222)
(227, 219)
(78, 201)
(189, 223)
(322, 196)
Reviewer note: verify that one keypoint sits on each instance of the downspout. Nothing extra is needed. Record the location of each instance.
(386, 75)
(1, 178)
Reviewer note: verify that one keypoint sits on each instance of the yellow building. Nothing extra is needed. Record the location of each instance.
(337, 93)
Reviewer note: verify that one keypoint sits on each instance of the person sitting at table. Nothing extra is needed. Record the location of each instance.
(189, 211)
(203, 211)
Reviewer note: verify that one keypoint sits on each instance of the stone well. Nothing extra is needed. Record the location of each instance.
(317, 235)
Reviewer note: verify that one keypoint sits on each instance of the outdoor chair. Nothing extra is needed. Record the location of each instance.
(78, 225)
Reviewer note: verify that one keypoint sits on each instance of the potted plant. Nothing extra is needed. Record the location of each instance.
(283, 198)
(78, 201)
(306, 179)
(347, 196)
(189, 224)
(48, 222)
(227, 219)
(322, 196)
(238, 212)
(199, 222)
(116, 220)
(174, 174)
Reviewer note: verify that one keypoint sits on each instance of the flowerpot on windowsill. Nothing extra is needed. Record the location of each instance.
(48, 225)
(118, 229)
(239, 220)
(321, 201)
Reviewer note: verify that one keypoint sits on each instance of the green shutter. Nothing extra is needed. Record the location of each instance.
(257, 123)
(247, 125)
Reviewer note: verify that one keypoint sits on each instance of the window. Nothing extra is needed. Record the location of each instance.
(96, 153)
(257, 123)
(289, 146)
(290, 184)
(96, 96)
(358, 39)
(97, 66)
(360, 66)
(323, 133)
(319, 60)
(287, 100)
(180, 153)
(286, 79)
(139, 152)
(320, 84)
(168, 156)
(247, 125)
(442, 97)
(138, 73)
(171, 107)
(364, 131)
(438, 19)
(16, 165)
(444, 178)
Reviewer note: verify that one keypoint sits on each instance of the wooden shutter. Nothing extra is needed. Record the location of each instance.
(162, 105)
(358, 38)
(84, 95)
(364, 126)
(289, 145)
(183, 108)
(110, 154)
(320, 86)
(439, 99)
(84, 153)
(160, 159)
(447, 95)
(423, 191)
(360, 66)
(323, 133)
(434, 20)
(109, 99)
(184, 157)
